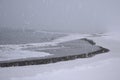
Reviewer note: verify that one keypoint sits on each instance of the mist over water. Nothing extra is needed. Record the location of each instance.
(85, 16)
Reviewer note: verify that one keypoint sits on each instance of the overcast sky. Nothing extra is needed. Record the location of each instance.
(60, 15)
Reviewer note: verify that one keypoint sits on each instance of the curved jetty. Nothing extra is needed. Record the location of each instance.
(70, 50)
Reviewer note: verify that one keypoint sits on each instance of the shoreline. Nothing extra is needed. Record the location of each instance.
(38, 61)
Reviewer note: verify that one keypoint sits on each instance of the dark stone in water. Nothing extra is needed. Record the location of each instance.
(71, 50)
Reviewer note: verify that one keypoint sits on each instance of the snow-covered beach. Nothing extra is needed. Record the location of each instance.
(104, 66)
(59, 39)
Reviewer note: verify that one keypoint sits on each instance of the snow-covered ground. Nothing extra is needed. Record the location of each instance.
(101, 67)
(17, 54)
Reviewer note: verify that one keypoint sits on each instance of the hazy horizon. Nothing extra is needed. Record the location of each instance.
(61, 15)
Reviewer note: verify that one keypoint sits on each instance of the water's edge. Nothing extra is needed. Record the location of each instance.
(54, 59)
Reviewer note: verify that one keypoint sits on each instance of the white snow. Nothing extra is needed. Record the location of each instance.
(20, 54)
(101, 67)
(10, 52)
(70, 38)
(94, 71)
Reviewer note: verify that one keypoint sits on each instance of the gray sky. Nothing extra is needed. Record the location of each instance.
(60, 15)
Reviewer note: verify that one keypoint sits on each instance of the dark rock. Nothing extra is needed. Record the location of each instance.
(65, 53)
